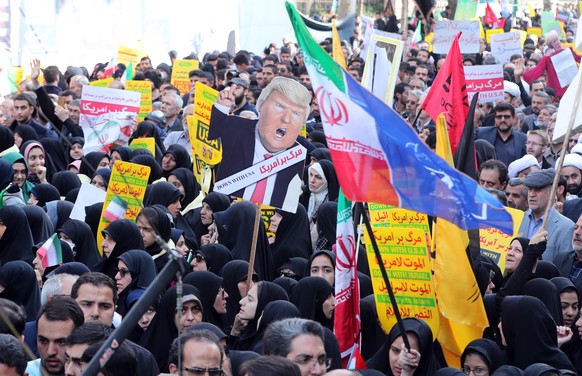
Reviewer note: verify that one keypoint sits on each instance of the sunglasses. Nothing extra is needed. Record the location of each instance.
(202, 371)
(122, 272)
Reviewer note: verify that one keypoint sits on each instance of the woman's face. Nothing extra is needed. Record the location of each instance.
(172, 179)
(315, 180)
(168, 162)
(35, 158)
(76, 151)
(146, 230)
(220, 301)
(175, 208)
(122, 276)
(191, 314)
(394, 352)
(322, 267)
(115, 156)
(514, 255)
(20, 173)
(248, 304)
(181, 246)
(37, 264)
(474, 363)
(147, 318)
(275, 221)
(99, 182)
(32, 200)
(108, 244)
(328, 306)
(198, 263)
(17, 140)
(104, 163)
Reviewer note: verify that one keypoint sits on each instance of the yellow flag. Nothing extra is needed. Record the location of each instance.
(463, 315)
(338, 54)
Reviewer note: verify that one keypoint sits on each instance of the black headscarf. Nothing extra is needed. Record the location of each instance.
(373, 336)
(235, 231)
(73, 268)
(530, 333)
(56, 160)
(105, 174)
(181, 156)
(20, 286)
(488, 350)
(16, 243)
(320, 154)
(292, 237)
(124, 152)
(85, 245)
(546, 269)
(45, 193)
(233, 272)
(188, 181)
(286, 283)
(90, 162)
(449, 371)
(162, 330)
(297, 265)
(563, 283)
(162, 193)
(41, 226)
(318, 136)
(218, 202)
(428, 362)
(93, 216)
(268, 292)
(331, 177)
(73, 141)
(274, 311)
(126, 236)
(547, 293)
(143, 272)
(65, 181)
(147, 129)
(6, 139)
(6, 173)
(147, 160)
(508, 371)
(308, 295)
(72, 195)
(326, 225)
(208, 284)
(216, 256)
(26, 132)
(59, 212)
(329, 254)
(163, 228)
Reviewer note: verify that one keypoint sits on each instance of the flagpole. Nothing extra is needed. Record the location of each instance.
(563, 153)
(385, 276)
(253, 248)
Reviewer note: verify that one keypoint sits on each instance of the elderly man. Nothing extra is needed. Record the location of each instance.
(559, 227)
(569, 263)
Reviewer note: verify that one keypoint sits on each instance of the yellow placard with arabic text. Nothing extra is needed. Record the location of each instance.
(145, 89)
(128, 181)
(535, 31)
(209, 151)
(125, 55)
(391, 216)
(102, 83)
(406, 259)
(180, 70)
(267, 212)
(494, 243)
(148, 143)
(490, 32)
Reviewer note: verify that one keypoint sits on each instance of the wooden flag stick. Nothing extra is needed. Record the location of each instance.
(253, 247)
(563, 153)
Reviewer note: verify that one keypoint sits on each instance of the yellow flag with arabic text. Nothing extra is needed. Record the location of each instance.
(461, 308)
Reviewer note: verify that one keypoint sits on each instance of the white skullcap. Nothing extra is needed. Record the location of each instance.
(521, 164)
(574, 160)
(511, 88)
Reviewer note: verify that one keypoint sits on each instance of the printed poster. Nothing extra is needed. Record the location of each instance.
(487, 80)
(180, 70)
(145, 90)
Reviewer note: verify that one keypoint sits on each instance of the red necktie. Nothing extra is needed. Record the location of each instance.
(260, 188)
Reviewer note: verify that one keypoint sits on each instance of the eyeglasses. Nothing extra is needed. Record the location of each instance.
(198, 257)
(122, 272)
(532, 143)
(323, 361)
(477, 371)
(202, 371)
(503, 116)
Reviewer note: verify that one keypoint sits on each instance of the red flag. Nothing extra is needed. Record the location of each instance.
(448, 94)
(490, 18)
(110, 69)
(500, 23)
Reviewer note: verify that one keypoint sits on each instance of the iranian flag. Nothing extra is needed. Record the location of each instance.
(50, 253)
(116, 209)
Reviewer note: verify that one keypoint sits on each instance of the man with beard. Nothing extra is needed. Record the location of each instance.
(509, 144)
(516, 194)
(240, 89)
(572, 171)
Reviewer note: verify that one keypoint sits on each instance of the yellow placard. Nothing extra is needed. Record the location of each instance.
(125, 55)
(102, 83)
(535, 31)
(391, 216)
(209, 151)
(406, 259)
(481, 32)
(180, 71)
(303, 131)
(18, 75)
(145, 88)
(572, 46)
(148, 143)
(490, 32)
(494, 243)
(128, 181)
(267, 212)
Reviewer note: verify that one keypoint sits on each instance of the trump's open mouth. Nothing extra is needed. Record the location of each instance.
(280, 133)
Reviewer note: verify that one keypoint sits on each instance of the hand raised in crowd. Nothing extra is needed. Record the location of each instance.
(518, 70)
(41, 174)
(226, 98)
(61, 113)
(35, 71)
(409, 360)
(539, 237)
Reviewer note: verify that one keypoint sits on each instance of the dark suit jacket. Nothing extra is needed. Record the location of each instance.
(573, 209)
(564, 263)
(237, 135)
(518, 141)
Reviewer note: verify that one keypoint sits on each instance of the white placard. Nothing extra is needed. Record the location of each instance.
(505, 45)
(445, 32)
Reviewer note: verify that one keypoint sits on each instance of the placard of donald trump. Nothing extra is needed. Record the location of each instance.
(261, 159)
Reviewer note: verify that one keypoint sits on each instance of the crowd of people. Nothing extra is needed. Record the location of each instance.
(278, 320)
